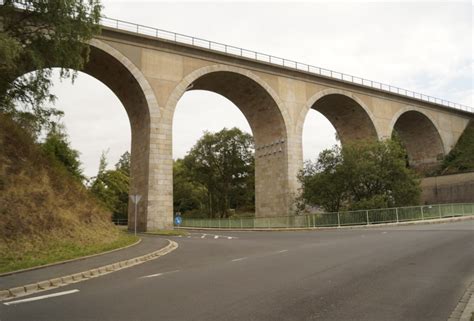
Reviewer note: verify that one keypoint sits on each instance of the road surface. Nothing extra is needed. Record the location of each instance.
(388, 273)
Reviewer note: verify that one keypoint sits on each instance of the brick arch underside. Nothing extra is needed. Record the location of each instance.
(268, 129)
(119, 79)
(350, 119)
(421, 140)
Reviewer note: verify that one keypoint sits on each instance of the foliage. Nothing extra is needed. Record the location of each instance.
(44, 34)
(59, 148)
(360, 175)
(111, 187)
(188, 195)
(461, 157)
(223, 163)
(41, 204)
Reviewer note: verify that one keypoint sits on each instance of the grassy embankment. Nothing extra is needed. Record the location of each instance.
(45, 214)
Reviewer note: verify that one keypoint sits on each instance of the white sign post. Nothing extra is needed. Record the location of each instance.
(135, 199)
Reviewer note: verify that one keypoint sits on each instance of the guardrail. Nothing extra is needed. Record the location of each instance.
(120, 221)
(262, 57)
(350, 218)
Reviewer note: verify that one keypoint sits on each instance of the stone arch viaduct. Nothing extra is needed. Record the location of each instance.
(149, 74)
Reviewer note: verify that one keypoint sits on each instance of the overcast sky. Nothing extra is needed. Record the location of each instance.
(421, 46)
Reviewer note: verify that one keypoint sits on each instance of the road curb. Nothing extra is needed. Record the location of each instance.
(70, 260)
(465, 308)
(423, 222)
(54, 283)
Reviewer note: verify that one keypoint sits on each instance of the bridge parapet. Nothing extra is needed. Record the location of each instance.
(277, 61)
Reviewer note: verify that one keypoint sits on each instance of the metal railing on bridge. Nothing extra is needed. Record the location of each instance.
(262, 57)
(339, 219)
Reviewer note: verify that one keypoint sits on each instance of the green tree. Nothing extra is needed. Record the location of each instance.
(36, 35)
(188, 195)
(111, 187)
(223, 163)
(461, 157)
(361, 175)
(57, 146)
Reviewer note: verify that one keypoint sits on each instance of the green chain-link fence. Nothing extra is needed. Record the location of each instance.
(363, 217)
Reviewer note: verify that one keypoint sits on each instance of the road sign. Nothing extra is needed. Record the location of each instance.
(135, 198)
(178, 220)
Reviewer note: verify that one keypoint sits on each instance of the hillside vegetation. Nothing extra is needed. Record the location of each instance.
(461, 157)
(45, 213)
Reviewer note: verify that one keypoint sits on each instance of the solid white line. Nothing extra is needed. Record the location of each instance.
(158, 274)
(239, 259)
(282, 251)
(42, 297)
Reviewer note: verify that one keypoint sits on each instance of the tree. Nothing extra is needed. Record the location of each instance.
(34, 37)
(57, 146)
(461, 157)
(223, 163)
(188, 195)
(360, 175)
(111, 187)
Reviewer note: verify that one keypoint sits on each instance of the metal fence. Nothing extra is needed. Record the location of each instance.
(120, 221)
(262, 57)
(349, 218)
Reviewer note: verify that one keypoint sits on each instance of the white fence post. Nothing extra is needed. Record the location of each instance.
(367, 214)
(338, 220)
(396, 212)
(422, 215)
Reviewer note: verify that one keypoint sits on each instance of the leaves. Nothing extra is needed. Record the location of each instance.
(111, 187)
(44, 35)
(223, 163)
(360, 175)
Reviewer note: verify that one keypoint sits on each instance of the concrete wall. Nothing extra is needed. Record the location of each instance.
(456, 188)
(275, 100)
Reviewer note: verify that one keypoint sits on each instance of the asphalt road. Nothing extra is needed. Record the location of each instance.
(399, 273)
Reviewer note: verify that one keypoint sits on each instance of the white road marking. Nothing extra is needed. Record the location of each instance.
(229, 237)
(282, 251)
(158, 274)
(216, 236)
(36, 298)
(203, 236)
(384, 232)
(239, 259)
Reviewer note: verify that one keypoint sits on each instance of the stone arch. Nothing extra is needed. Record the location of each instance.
(349, 115)
(117, 72)
(420, 136)
(267, 118)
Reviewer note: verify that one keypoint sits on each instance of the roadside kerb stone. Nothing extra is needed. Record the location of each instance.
(17, 291)
(465, 306)
(85, 275)
(4, 294)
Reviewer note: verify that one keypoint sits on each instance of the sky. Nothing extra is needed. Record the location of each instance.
(422, 46)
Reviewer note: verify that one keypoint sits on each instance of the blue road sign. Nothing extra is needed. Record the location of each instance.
(178, 220)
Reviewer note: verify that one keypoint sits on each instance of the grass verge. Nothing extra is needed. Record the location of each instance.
(57, 251)
(167, 232)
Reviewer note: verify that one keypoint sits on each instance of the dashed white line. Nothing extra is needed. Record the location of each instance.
(239, 259)
(216, 236)
(158, 274)
(282, 251)
(203, 236)
(42, 297)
